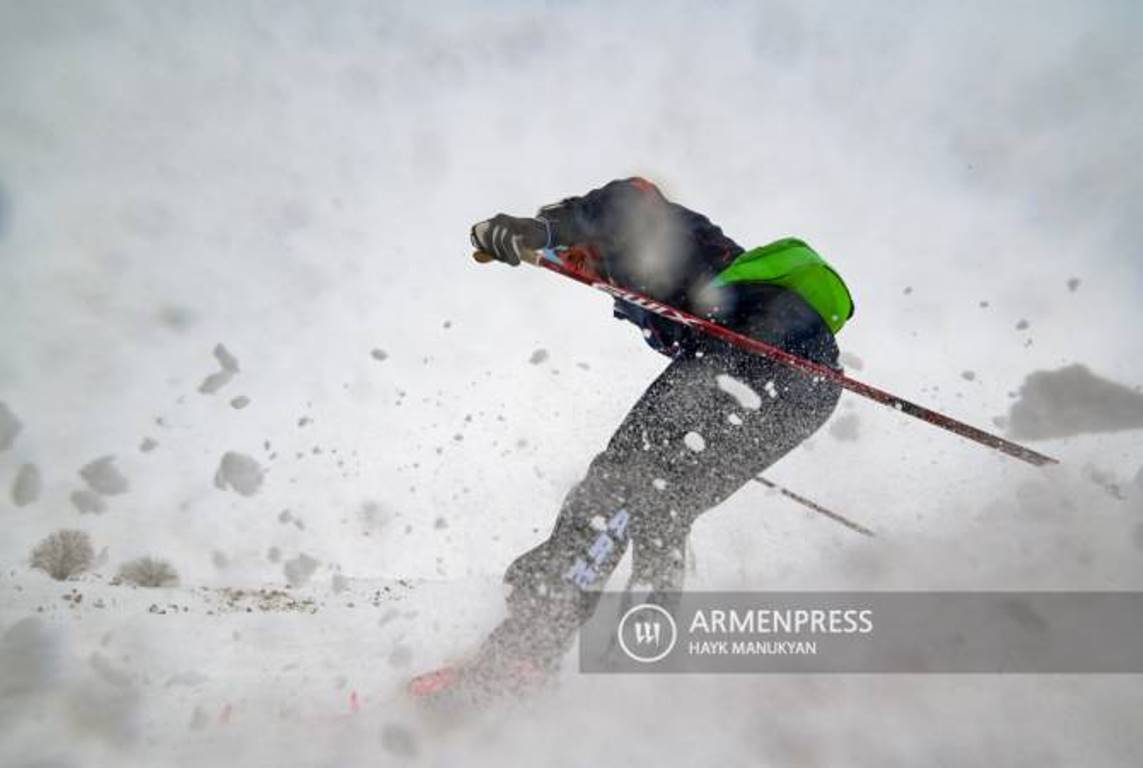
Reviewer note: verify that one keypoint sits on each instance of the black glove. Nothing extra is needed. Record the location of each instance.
(506, 237)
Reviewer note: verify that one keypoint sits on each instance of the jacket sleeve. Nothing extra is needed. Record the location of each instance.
(646, 242)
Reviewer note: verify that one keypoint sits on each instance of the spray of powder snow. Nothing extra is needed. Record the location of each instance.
(298, 179)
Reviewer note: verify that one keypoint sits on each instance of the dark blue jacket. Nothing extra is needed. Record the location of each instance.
(659, 248)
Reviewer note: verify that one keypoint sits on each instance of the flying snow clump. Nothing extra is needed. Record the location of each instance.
(88, 502)
(742, 393)
(694, 441)
(27, 485)
(228, 364)
(298, 570)
(240, 473)
(10, 426)
(1072, 401)
(102, 477)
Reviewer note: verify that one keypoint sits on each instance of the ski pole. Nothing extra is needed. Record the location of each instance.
(574, 262)
(815, 507)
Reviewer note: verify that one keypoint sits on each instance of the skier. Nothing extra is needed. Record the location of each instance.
(694, 437)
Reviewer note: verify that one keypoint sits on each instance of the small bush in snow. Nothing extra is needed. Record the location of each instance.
(64, 554)
(148, 572)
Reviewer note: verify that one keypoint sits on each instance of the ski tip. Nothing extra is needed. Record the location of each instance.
(1032, 457)
(431, 682)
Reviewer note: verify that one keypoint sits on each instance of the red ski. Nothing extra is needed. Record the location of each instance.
(477, 681)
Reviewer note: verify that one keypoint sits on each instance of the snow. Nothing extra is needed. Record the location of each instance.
(10, 426)
(240, 473)
(103, 477)
(215, 382)
(27, 486)
(298, 570)
(844, 427)
(399, 741)
(1072, 401)
(228, 368)
(299, 182)
(742, 393)
(88, 502)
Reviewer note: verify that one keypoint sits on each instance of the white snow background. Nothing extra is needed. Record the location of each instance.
(296, 182)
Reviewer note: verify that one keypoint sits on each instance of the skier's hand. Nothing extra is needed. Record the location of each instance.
(506, 238)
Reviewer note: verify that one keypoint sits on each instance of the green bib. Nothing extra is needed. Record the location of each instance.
(795, 266)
